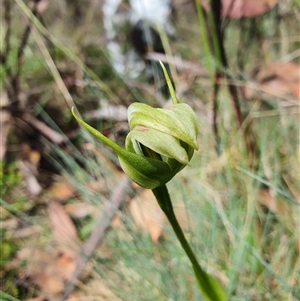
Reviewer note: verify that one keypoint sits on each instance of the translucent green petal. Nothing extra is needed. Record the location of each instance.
(177, 120)
(159, 142)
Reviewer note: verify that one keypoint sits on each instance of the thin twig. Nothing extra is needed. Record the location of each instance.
(214, 22)
(219, 34)
(26, 35)
(44, 129)
(96, 237)
(7, 19)
(15, 80)
(178, 63)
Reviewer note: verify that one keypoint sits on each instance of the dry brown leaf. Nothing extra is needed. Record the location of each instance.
(279, 79)
(116, 221)
(292, 188)
(79, 210)
(284, 213)
(36, 269)
(147, 214)
(47, 271)
(64, 231)
(68, 244)
(268, 200)
(265, 198)
(8, 224)
(99, 185)
(237, 9)
(34, 157)
(61, 190)
(25, 232)
(287, 71)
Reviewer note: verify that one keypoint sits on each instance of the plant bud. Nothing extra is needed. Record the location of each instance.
(160, 143)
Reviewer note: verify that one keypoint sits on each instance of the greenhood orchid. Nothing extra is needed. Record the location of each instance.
(160, 143)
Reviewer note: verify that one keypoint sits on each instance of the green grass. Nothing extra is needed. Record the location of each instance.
(252, 250)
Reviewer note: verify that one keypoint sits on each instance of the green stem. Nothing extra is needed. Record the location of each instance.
(209, 287)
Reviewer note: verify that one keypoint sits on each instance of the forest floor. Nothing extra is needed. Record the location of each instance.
(63, 193)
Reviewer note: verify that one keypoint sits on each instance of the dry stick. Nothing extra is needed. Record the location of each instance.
(219, 52)
(178, 63)
(7, 18)
(15, 80)
(248, 135)
(26, 36)
(44, 129)
(216, 10)
(96, 237)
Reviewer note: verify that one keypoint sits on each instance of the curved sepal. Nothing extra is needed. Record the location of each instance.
(178, 121)
(161, 143)
(146, 172)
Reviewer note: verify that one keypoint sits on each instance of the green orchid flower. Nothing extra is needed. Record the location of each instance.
(161, 142)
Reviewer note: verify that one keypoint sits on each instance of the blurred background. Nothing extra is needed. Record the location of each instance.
(235, 62)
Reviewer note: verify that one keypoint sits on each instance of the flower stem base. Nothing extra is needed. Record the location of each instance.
(208, 286)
